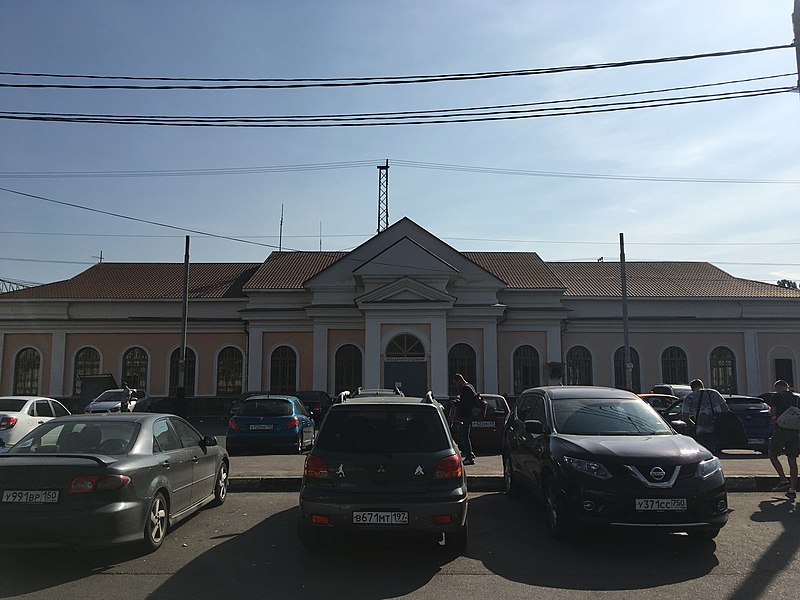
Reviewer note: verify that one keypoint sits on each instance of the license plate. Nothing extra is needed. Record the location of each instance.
(262, 426)
(482, 424)
(30, 496)
(661, 504)
(369, 517)
(756, 441)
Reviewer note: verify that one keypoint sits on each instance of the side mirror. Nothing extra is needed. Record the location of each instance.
(209, 440)
(679, 426)
(534, 427)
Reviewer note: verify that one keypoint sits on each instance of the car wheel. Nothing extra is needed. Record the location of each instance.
(558, 522)
(299, 444)
(509, 480)
(311, 538)
(155, 526)
(703, 534)
(221, 484)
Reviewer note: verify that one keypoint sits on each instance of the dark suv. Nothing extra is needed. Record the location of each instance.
(603, 457)
(317, 402)
(384, 465)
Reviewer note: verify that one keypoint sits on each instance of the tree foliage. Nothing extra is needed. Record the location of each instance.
(787, 283)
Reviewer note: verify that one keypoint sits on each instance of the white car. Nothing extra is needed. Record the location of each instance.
(21, 414)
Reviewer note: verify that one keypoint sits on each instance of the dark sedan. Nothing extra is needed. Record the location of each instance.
(752, 411)
(96, 480)
(603, 457)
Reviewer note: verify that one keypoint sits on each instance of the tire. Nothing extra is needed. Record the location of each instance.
(559, 525)
(311, 538)
(510, 484)
(299, 444)
(156, 523)
(221, 484)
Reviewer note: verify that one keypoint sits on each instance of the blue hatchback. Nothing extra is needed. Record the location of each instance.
(268, 422)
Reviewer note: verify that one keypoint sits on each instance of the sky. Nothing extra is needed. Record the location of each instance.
(713, 181)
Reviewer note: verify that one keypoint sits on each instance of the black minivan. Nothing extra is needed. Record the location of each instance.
(603, 457)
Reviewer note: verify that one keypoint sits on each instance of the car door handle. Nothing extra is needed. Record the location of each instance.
(40, 422)
(165, 464)
(195, 459)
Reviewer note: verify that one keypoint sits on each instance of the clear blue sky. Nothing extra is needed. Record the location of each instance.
(751, 230)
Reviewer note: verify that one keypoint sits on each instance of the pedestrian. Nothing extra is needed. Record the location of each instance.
(698, 410)
(467, 399)
(127, 393)
(784, 441)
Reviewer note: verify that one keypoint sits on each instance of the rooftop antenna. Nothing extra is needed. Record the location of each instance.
(383, 196)
(320, 236)
(280, 232)
(99, 258)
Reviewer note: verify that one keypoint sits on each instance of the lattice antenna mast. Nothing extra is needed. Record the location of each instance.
(383, 196)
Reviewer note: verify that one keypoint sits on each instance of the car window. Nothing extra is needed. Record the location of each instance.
(188, 436)
(43, 408)
(537, 411)
(522, 407)
(594, 416)
(266, 408)
(301, 408)
(58, 409)
(164, 437)
(11, 405)
(383, 429)
(743, 403)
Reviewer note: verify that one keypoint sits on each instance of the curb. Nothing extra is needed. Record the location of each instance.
(476, 483)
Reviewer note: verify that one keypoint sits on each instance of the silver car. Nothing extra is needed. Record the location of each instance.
(96, 480)
(111, 400)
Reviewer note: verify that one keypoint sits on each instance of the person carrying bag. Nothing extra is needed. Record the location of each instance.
(785, 409)
(702, 409)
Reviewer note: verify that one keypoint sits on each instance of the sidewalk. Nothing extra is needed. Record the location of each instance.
(745, 470)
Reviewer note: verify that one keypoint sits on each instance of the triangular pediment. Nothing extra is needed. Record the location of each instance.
(405, 258)
(405, 291)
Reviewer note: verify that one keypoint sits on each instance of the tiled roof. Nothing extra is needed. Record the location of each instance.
(288, 270)
(524, 270)
(660, 280)
(145, 281)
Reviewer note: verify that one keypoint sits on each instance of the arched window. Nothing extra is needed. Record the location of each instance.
(134, 368)
(283, 371)
(723, 370)
(230, 365)
(579, 366)
(619, 370)
(347, 369)
(405, 346)
(174, 372)
(27, 365)
(526, 369)
(87, 362)
(674, 366)
(461, 359)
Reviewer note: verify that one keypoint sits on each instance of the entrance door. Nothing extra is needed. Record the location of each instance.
(412, 376)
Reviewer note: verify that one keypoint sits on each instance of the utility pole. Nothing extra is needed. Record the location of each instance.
(383, 196)
(280, 232)
(626, 333)
(181, 391)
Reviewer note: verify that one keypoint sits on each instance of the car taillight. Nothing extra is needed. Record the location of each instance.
(97, 483)
(449, 468)
(8, 422)
(292, 423)
(315, 467)
(233, 424)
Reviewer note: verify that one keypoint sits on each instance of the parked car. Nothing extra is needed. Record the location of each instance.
(269, 422)
(602, 457)
(111, 400)
(752, 411)
(384, 465)
(660, 402)
(487, 430)
(101, 479)
(673, 389)
(317, 402)
(21, 414)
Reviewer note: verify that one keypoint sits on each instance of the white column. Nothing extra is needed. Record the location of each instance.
(372, 352)
(439, 356)
(751, 365)
(320, 370)
(490, 385)
(57, 363)
(255, 347)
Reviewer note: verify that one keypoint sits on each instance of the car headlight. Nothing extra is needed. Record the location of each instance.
(708, 467)
(590, 467)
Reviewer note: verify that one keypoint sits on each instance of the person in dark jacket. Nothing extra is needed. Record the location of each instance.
(467, 398)
(784, 441)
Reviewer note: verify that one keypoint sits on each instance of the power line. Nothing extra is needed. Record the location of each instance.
(289, 83)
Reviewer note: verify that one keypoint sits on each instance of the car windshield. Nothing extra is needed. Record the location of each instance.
(79, 437)
(593, 416)
(109, 396)
(266, 408)
(743, 403)
(11, 404)
(391, 431)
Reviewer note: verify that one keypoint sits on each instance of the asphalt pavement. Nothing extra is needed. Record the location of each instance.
(745, 470)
